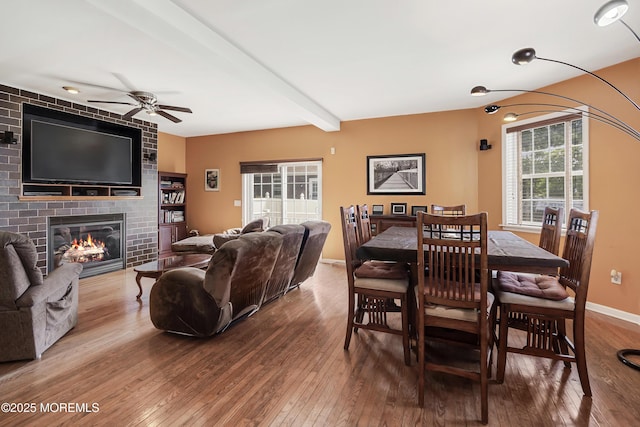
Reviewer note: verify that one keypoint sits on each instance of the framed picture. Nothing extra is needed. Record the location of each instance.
(399, 208)
(377, 210)
(396, 174)
(416, 209)
(212, 179)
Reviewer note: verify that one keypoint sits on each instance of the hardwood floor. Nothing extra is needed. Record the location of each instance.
(286, 366)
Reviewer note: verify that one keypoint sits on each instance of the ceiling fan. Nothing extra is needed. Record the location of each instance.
(147, 101)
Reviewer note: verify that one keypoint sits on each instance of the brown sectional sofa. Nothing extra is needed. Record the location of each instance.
(244, 273)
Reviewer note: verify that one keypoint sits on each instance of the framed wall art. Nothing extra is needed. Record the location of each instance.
(212, 179)
(377, 210)
(396, 174)
(416, 209)
(399, 208)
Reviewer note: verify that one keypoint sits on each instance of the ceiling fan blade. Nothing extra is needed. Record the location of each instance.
(111, 102)
(132, 112)
(171, 107)
(125, 82)
(168, 116)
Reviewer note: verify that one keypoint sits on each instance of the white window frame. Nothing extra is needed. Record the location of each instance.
(510, 180)
(247, 189)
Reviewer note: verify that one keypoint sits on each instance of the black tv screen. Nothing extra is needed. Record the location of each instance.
(63, 153)
(65, 148)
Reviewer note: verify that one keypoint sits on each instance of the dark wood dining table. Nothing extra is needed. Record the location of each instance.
(506, 251)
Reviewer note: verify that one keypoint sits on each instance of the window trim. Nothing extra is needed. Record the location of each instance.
(545, 120)
(246, 180)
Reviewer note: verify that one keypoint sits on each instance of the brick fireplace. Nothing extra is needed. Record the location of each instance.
(33, 217)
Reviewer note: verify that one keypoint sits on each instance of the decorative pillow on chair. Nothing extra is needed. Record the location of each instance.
(534, 285)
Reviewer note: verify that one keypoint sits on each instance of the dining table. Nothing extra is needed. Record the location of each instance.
(505, 251)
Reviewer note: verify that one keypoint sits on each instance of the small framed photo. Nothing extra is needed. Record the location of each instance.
(377, 210)
(416, 209)
(399, 208)
(212, 179)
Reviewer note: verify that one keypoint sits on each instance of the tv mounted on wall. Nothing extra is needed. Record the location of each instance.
(65, 148)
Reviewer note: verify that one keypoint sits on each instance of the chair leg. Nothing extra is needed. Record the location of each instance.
(502, 344)
(420, 326)
(484, 387)
(561, 333)
(350, 317)
(581, 358)
(404, 311)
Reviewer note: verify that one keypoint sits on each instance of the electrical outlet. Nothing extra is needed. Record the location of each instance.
(616, 277)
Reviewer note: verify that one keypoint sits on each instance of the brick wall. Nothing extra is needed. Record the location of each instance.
(30, 217)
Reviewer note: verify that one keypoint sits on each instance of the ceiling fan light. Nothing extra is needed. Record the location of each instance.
(510, 117)
(152, 113)
(71, 89)
(523, 56)
(479, 91)
(610, 12)
(491, 109)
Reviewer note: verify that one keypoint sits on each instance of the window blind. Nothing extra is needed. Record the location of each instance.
(269, 166)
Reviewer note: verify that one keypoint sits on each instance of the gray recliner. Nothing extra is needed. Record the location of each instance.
(35, 311)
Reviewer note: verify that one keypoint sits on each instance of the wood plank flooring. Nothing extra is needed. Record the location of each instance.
(285, 365)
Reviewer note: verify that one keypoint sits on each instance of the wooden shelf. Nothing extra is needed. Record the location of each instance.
(78, 192)
(172, 210)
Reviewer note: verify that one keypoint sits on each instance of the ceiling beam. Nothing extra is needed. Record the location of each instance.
(183, 31)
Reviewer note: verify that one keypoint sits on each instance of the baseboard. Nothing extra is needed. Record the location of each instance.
(613, 312)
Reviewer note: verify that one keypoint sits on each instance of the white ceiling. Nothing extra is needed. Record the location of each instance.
(257, 64)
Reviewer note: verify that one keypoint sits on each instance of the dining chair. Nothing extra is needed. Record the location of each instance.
(371, 285)
(449, 210)
(550, 232)
(364, 224)
(544, 303)
(453, 302)
(551, 229)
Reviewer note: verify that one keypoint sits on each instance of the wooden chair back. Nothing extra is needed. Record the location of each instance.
(350, 239)
(363, 223)
(551, 229)
(578, 250)
(455, 248)
(454, 210)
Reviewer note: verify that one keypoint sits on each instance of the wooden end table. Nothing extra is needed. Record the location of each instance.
(154, 269)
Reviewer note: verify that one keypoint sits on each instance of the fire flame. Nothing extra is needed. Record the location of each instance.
(85, 250)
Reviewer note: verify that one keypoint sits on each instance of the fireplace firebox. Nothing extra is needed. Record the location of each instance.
(98, 242)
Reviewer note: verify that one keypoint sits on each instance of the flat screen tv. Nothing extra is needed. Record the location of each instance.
(65, 148)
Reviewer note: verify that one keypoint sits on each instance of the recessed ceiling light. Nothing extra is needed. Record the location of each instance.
(71, 89)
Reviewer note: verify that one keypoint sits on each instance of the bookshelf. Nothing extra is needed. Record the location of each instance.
(172, 210)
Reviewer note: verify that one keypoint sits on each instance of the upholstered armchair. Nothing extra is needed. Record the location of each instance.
(202, 303)
(35, 311)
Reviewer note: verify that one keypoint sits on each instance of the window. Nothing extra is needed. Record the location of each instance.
(287, 192)
(545, 163)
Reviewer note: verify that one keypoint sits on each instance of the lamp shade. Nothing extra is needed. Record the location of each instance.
(523, 56)
(610, 12)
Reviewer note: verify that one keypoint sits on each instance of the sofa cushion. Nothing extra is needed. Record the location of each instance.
(202, 244)
(260, 224)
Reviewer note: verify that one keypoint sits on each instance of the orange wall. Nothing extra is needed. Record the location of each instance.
(451, 164)
(456, 171)
(614, 179)
(171, 153)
